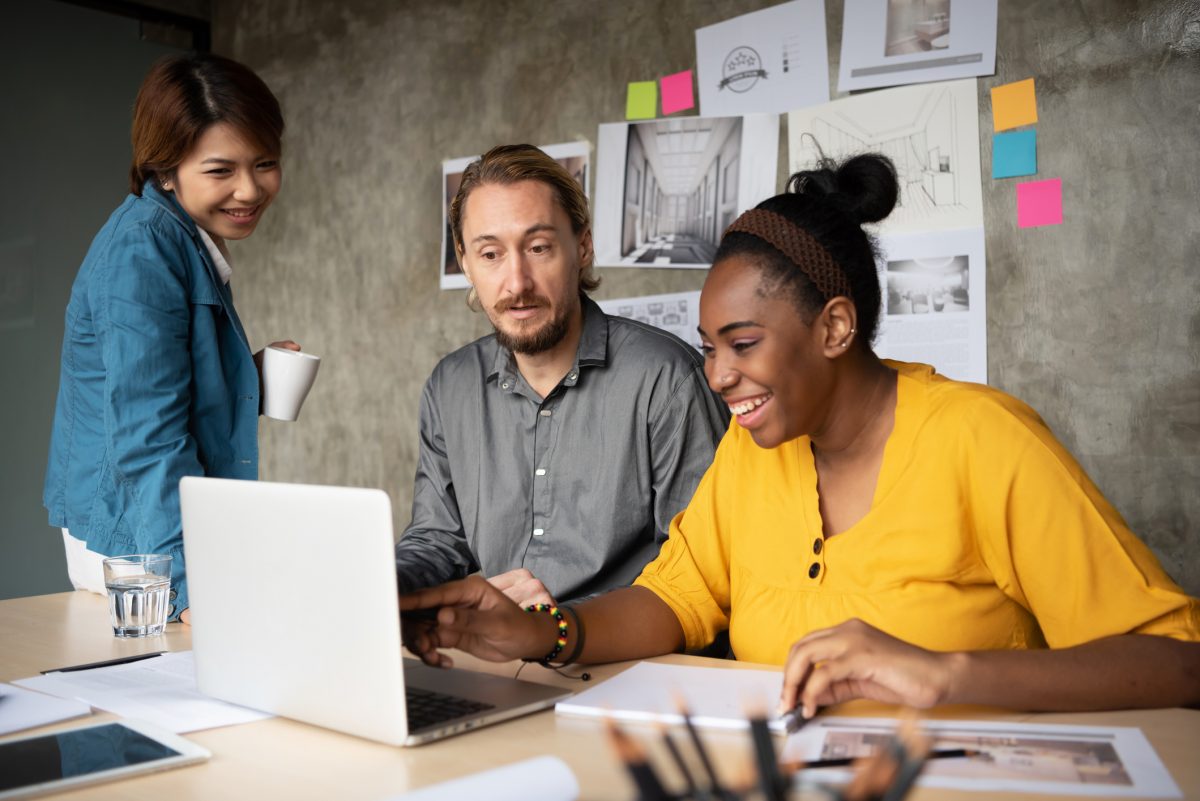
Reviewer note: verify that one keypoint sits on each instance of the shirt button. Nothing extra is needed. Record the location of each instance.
(541, 471)
(572, 376)
(537, 532)
(818, 544)
(814, 570)
(544, 412)
(504, 385)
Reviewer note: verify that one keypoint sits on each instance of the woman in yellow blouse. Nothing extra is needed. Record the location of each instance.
(879, 530)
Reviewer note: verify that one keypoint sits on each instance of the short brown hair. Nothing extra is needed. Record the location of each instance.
(182, 96)
(509, 164)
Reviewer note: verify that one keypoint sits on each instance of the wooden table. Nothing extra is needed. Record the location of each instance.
(277, 757)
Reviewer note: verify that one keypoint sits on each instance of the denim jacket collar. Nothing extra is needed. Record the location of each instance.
(167, 201)
(154, 194)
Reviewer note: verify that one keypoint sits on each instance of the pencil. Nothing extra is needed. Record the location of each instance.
(677, 758)
(769, 778)
(713, 782)
(841, 762)
(634, 757)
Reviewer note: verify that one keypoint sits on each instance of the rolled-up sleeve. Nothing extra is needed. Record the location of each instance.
(692, 572)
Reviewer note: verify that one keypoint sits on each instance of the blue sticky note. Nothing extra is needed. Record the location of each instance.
(1014, 153)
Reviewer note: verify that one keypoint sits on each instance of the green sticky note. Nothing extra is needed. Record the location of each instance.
(641, 102)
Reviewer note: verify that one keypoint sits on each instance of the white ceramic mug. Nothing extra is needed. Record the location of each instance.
(287, 376)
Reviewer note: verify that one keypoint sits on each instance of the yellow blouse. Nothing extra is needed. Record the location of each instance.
(984, 533)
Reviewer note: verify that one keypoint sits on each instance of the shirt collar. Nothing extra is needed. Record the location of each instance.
(592, 350)
(219, 256)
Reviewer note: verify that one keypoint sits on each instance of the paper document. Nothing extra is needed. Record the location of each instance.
(22, 709)
(1103, 761)
(929, 131)
(933, 289)
(677, 312)
(769, 61)
(893, 42)
(667, 189)
(716, 697)
(161, 691)
(545, 778)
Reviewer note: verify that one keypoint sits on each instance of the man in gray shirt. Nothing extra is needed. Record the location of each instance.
(555, 452)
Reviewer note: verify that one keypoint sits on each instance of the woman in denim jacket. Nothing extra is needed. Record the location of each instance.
(158, 380)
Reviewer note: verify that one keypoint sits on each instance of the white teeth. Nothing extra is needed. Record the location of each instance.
(746, 407)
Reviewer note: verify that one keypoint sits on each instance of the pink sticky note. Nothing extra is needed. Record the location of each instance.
(1039, 203)
(677, 93)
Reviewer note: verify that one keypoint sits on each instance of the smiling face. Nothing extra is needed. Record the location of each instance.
(225, 184)
(767, 363)
(524, 260)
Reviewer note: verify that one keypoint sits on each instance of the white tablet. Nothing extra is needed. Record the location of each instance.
(100, 752)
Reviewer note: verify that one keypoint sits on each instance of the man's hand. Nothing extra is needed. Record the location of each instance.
(522, 588)
(185, 617)
(475, 617)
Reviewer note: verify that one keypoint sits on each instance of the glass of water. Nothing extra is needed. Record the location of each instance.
(138, 586)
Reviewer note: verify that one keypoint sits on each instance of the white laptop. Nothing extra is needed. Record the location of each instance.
(295, 611)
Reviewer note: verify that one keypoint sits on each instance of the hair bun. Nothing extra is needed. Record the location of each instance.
(865, 186)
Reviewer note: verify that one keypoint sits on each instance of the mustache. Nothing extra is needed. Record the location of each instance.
(504, 304)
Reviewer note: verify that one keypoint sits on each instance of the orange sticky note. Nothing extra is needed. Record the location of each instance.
(1014, 105)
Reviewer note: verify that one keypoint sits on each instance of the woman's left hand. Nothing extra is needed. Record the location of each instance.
(285, 344)
(857, 660)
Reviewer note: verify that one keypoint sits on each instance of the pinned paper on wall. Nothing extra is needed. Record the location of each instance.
(1039, 203)
(641, 101)
(768, 61)
(677, 92)
(1014, 154)
(1014, 105)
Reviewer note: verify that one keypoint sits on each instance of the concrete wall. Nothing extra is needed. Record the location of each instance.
(1095, 323)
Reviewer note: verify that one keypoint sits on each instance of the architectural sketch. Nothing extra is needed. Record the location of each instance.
(930, 132)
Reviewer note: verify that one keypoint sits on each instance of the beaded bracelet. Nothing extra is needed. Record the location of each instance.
(570, 659)
(561, 642)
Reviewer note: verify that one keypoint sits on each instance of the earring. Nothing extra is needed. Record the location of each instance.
(846, 344)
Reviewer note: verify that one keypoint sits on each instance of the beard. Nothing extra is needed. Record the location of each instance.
(526, 340)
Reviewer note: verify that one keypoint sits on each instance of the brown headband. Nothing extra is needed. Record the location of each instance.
(799, 246)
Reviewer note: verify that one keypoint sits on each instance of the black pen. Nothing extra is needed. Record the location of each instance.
(106, 663)
(842, 762)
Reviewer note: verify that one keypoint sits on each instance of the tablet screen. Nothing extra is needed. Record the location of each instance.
(78, 752)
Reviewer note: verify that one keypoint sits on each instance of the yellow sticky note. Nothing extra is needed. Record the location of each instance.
(1014, 105)
(641, 102)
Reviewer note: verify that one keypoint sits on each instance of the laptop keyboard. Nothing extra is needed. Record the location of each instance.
(426, 708)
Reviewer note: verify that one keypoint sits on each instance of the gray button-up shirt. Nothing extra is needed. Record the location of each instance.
(579, 487)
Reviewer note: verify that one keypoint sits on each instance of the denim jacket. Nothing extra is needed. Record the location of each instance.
(157, 382)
